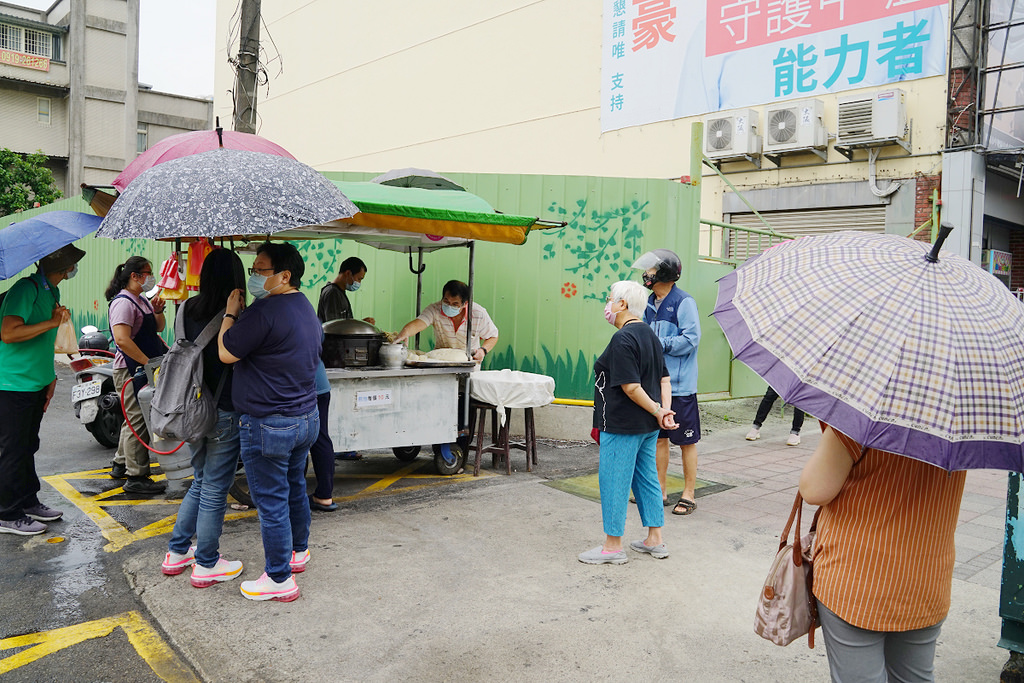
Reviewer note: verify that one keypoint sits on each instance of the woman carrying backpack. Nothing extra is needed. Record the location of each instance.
(136, 325)
(215, 457)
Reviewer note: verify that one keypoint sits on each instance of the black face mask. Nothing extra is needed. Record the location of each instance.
(648, 281)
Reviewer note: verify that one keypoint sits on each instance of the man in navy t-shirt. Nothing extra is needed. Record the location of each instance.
(275, 346)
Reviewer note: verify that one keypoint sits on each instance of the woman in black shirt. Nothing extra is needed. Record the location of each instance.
(630, 377)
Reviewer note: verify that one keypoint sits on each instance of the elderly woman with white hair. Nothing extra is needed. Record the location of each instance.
(631, 388)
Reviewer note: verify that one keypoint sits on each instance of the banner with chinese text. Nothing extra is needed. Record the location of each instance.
(666, 59)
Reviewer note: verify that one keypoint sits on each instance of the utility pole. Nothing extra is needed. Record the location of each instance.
(246, 67)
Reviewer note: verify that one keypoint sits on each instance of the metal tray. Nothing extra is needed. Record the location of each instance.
(439, 364)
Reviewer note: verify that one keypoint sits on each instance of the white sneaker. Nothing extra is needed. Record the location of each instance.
(224, 570)
(299, 561)
(265, 588)
(754, 434)
(175, 564)
(793, 440)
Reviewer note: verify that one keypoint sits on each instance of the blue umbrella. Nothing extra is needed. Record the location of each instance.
(25, 242)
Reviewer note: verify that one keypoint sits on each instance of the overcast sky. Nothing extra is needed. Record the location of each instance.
(176, 44)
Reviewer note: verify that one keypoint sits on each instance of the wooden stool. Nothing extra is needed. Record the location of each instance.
(500, 444)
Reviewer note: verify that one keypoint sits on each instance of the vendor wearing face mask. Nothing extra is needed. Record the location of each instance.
(136, 325)
(334, 304)
(448, 316)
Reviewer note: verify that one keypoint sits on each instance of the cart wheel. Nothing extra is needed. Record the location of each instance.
(240, 490)
(448, 458)
(406, 453)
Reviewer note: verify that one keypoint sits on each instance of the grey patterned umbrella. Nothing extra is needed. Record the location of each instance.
(902, 353)
(221, 193)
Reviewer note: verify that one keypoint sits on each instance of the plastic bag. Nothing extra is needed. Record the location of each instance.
(169, 277)
(197, 253)
(180, 293)
(172, 285)
(66, 341)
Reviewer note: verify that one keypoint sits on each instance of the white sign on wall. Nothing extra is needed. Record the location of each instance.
(666, 59)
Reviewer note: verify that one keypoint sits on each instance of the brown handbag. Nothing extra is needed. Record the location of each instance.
(787, 609)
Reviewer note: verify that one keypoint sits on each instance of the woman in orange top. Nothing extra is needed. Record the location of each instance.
(884, 554)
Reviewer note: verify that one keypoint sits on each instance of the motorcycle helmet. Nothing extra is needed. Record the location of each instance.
(667, 266)
(94, 340)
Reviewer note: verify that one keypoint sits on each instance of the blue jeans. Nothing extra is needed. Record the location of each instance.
(214, 461)
(627, 461)
(274, 450)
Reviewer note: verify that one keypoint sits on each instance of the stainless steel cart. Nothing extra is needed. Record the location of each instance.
(399, 408)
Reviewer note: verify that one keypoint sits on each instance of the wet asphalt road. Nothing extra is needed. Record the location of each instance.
(47, 585)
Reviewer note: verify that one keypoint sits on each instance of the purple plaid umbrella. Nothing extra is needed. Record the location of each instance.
(903, 350)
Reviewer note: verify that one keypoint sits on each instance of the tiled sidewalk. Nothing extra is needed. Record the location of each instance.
(764, 476)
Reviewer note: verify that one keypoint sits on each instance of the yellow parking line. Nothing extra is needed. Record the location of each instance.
(146, 641)
(119, 537)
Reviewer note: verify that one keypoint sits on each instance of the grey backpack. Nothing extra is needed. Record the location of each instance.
(182, 408)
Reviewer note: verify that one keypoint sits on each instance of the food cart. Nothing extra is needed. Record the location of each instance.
(417, 405)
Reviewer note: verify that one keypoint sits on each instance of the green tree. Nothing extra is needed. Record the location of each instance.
(25, 182)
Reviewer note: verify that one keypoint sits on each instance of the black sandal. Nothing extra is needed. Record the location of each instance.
(687, 505)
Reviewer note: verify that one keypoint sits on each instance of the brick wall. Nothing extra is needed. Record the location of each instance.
(923, 203)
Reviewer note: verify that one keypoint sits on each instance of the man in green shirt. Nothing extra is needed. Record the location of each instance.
(29, 318)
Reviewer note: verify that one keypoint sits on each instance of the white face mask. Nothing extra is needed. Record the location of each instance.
(149, 283)
(71, 273)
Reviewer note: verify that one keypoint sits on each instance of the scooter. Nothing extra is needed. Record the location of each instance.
(94, 395)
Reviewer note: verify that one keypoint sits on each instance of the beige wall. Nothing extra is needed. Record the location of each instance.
(496, 86)
(21, 130)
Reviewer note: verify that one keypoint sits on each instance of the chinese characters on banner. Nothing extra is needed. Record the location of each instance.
(665, 59)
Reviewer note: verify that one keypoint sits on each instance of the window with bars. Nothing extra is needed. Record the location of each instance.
(10, 38)
(38, 43)
(27, 41)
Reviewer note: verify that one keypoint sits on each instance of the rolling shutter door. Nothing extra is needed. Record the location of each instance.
(802, 224)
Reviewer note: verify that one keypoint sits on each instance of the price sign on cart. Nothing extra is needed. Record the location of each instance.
(370, 399)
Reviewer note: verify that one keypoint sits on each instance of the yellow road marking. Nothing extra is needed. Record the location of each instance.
(118, 537)
(146, 641)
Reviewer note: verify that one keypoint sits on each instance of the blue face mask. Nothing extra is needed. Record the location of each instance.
(71, 273)
(255, 285)
(354, 286)
(450, 311)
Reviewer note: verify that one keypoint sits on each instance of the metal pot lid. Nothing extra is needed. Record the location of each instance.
(350, 328)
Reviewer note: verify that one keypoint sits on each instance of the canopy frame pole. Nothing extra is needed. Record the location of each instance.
(469, 334)
(419, 287)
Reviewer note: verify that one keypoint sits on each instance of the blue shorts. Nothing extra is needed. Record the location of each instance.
(688, 419)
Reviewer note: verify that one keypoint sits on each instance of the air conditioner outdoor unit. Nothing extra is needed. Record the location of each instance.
(795, 125)
(873, 119)
(732, 134)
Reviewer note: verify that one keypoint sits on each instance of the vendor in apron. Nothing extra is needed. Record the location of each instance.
(136, 325)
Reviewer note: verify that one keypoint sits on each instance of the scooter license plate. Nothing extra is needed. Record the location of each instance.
(85, 390)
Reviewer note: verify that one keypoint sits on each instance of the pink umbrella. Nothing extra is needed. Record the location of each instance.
(184, 144)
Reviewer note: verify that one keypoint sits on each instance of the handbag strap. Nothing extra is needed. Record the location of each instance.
(796, 513)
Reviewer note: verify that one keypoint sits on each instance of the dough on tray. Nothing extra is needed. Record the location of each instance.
(449, 355)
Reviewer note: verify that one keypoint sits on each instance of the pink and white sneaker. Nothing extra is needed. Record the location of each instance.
(299, 561)
(265, 588)
(224, 570)
(175, 564)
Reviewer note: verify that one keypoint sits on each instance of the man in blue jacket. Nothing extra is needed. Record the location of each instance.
(672, 313)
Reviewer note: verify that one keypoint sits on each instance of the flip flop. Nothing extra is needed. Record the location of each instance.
(688, 506)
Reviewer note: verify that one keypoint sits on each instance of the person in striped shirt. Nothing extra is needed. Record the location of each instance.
(883, 557)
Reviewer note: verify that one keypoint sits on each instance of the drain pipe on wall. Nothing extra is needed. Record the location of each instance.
(875, 190)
